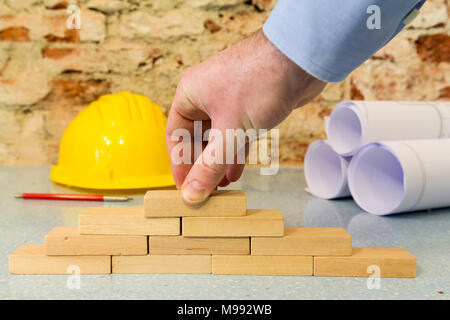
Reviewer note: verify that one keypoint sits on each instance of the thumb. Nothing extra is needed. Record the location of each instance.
(208, 170)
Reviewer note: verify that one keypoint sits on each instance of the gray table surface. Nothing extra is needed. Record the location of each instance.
(425, 234)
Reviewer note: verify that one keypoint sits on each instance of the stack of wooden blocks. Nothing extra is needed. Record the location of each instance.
(220, 236)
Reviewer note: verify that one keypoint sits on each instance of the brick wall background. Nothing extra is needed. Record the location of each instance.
(49, 73)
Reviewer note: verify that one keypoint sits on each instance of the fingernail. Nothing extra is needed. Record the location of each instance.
(194, 192)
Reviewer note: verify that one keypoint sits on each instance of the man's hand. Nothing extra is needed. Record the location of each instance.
(249, 85)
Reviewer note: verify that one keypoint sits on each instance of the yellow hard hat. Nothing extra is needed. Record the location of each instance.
(117, 142)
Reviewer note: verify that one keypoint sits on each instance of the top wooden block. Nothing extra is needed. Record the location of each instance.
(169, 203)
(305, 242)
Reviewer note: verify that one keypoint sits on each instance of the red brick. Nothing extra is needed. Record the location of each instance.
(78, 91)
(262, 4)
(70, 35)
(180, 59)
(355, 93)
(15, 34)
(211, 26)
(444, 93)
(434, 48)
(324, 113)
(59, 5)
(385, 56)
(57, 53)
(154, 55)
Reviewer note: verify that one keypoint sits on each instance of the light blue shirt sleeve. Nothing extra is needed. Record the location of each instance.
(331, 38)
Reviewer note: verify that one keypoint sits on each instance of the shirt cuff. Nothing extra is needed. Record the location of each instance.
(329, 38)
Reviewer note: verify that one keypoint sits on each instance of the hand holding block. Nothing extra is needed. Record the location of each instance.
(392, 263)
(183, 245)
(129, 221)
(161, 264)
(305, 242)
(66, 241)
(31, 259)
(263, 265)
(257, 223)
(169, 203)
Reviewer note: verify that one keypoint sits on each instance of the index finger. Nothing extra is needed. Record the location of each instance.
(178, 130)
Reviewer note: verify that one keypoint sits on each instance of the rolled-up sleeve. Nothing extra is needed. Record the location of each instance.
(331, 38)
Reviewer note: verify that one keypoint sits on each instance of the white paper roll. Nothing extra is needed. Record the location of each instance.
(326, 171)
(353, 124)
(400, 176)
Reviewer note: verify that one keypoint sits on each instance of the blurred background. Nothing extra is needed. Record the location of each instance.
(49, 73)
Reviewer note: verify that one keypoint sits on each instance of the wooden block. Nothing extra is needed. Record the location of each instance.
(263, 265)
(305, 242)
(257, 223)
(66, 241)
(169, 203)
(31, 259)
(162, 264)
(183, 245)
(129, 221)
(393, 263)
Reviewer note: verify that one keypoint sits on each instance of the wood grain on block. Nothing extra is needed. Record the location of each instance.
(257, 223)
(125, 221)
(162, 264)
(305, 242)
(31, 259)
(66, 241)
(263, 265)
(392, 263)
(169, 203)
(184, 245)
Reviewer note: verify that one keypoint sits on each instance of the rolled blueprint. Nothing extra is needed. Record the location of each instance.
(326, 171)
(400, 176)
(353, 124)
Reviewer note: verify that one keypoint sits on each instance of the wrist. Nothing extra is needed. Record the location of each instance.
(300, 85)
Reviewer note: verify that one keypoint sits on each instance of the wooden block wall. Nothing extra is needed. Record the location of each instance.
(219, 237)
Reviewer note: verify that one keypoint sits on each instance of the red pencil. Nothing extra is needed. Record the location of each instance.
(59, 196)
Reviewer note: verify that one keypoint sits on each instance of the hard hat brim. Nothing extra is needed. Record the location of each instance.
(101, 182)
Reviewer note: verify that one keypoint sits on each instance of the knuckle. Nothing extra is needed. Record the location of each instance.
(185, 77)
(213, 168)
